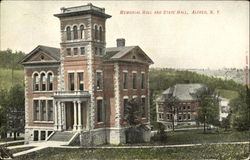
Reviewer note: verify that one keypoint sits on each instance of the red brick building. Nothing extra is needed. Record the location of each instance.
(178, 105)
(82, 87)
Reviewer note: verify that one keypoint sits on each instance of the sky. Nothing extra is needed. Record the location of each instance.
(186, 36)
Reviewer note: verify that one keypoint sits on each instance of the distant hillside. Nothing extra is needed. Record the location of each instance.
(228, 73)
(10, 59)
(6, 80)
(163, 78)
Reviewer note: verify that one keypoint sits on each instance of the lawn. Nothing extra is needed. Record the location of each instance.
(206, 151)
(229, 94)
(197, 136)
(6, 78)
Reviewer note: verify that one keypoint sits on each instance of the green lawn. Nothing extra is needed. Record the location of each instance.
(197, 136)
(229, 94)
(6, 78)
(217, 151)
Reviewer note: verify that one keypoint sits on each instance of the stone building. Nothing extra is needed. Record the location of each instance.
(178, 105)
(77, 93)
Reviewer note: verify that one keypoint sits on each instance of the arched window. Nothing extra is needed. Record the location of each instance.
(36, 82)
(68, 33)
(96, 32)
(75, 32)
(50, 82)
(82, 32)
(100, 33)
(43, 82)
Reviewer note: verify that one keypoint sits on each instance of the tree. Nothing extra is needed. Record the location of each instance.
(240, 111)
(3, 101)
(225, 123)
(208, 112)
(15, 110)
(134, 132)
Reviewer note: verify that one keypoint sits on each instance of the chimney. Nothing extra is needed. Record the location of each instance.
(120, 42)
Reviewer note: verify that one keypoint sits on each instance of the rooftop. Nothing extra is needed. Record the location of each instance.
(183, 92)
(81, 10)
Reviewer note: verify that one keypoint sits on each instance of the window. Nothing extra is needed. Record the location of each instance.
(68, 33)
(43, 82)
(134, 80)
(98, 80)
(100, 111)
(125, 108)
(189, 117)
(184, 116)
(143, 81)
(96, 50)
(36, 110)
(168, 117)
(68, 51)
(143, 103)
(35, 136)
(82, 50)
(71, 82)
(80, 81)
(75, 51)
(50, 82)
(82, 32)
(75, 33)
(50, 110)
(188, 107)
(125, 80)
(43, 135)
(100, 33)
(160, 107)
(100, 51)
(43, 110)
(160, 116)
(96, 32)
(184, 107)
(179, 117)
(36, 82)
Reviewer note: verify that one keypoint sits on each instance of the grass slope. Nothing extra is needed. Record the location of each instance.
(214, 151)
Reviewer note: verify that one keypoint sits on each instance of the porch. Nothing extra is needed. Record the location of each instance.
(71, 110)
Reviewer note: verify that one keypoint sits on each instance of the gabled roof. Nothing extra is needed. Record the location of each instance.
(182, 92)
(51, 51)
(116, 53)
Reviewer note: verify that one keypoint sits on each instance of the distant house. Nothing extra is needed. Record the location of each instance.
(224, 108)
(178, 105)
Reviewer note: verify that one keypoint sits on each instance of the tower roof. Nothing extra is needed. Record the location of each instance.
(82, 10)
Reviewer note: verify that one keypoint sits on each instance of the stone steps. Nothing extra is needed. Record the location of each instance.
(62, 136)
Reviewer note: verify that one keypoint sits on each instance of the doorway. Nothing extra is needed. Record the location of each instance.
(69, 116)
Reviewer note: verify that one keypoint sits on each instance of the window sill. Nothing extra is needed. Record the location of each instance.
(100, 123)
(44, 122)
(43, 91)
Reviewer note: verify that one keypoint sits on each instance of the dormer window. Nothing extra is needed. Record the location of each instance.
(134, 57)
